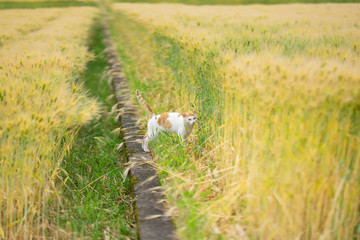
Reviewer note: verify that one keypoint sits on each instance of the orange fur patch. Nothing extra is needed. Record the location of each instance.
(188, 114)
(163, 121)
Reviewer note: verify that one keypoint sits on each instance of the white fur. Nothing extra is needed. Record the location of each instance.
(179, 125)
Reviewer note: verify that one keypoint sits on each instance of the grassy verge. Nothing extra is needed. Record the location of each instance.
(43, 4)
(161, 55)
(96, 198)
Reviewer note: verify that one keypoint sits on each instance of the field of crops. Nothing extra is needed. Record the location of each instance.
(276, 152)
(42, 53)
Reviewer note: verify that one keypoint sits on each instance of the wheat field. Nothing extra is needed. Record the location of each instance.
(42, 53)
(276, 154)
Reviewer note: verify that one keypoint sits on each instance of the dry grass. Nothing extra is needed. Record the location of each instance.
(279, 89)
(42, 53)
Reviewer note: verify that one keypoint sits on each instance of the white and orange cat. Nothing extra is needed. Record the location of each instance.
(179, 123)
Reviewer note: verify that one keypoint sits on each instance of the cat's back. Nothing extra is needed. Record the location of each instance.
(170, 116)
(175, 115)
(177, 120)
(171, 121)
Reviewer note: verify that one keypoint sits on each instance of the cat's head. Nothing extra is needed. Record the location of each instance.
(190, 118)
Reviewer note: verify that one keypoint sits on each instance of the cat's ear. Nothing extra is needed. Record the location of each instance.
(194, 111)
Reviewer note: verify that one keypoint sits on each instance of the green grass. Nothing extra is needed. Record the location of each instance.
(43, 4)
(168, 151)
(96, 200)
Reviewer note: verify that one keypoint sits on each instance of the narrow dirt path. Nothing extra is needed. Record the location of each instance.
(152, 221)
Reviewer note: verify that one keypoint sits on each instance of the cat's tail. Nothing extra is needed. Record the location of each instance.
(144, 103)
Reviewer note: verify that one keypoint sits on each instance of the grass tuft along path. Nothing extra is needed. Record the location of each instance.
(96, 198)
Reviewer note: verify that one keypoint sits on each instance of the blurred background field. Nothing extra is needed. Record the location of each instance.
(42, 54)
(9, 4)
(276, 151)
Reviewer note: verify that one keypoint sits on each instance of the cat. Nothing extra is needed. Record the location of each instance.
(179, 123)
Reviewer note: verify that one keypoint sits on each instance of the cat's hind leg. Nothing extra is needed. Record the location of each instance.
(149, 136)
(145, 144)
(183, 138)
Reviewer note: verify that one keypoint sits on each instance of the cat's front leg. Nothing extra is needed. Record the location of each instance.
(183, 138)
